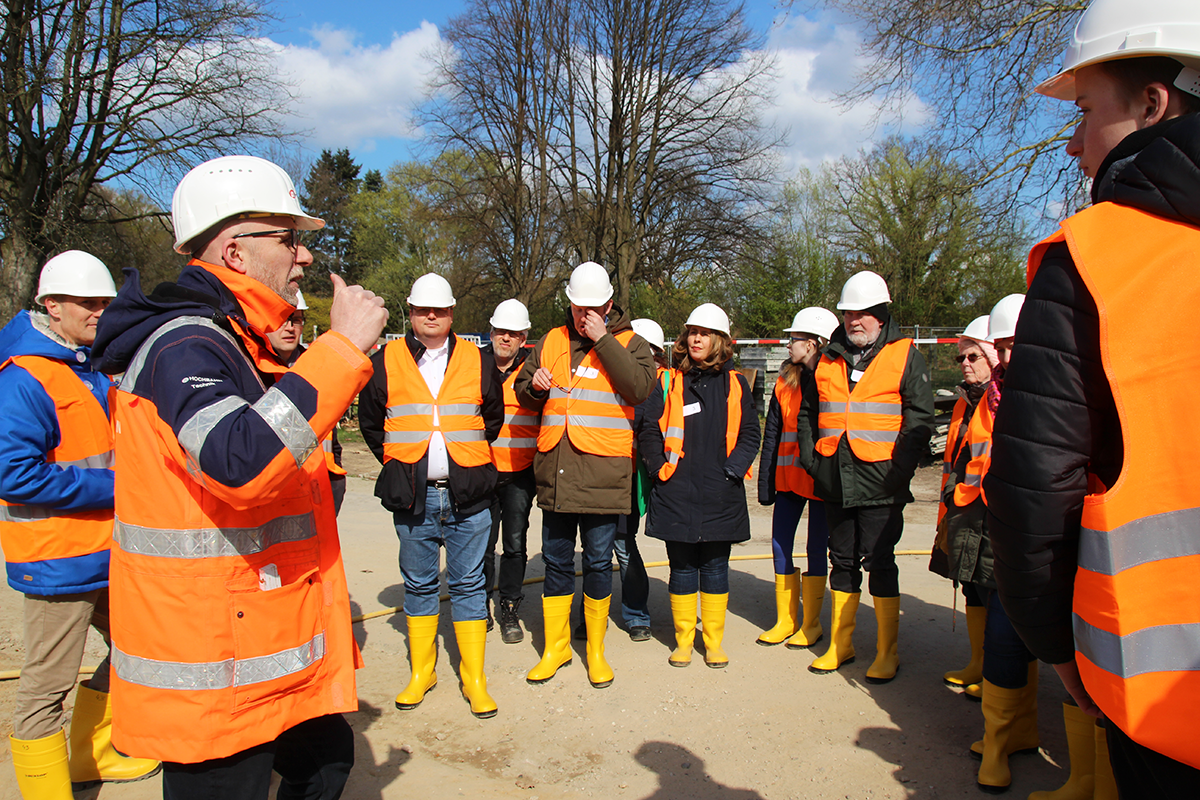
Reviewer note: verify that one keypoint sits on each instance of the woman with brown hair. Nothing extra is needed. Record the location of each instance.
(700, 452)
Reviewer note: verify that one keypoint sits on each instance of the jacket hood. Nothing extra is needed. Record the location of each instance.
(133, 316)
(1156, 169)
(29, 334)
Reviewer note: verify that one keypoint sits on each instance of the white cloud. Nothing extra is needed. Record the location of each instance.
(351, 95)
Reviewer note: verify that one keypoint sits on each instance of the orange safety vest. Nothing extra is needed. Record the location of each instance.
(789, 475)
(38, 533)
(514, 448)
(979, 440)
(670, 422)
(411, 420)
(950, 454)
(230, 613)
(869, 416)
(583, 403)
(327, 448)
(1136, 607)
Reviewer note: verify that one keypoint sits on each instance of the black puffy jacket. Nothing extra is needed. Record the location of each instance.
(1057, 422)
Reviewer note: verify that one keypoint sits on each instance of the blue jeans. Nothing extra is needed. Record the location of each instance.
(465, 539)
(597, 532)
(1005, 657)
(635, 583)
(788, 509)
(699, 566)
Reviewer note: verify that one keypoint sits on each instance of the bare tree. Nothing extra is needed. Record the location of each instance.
(125, 91)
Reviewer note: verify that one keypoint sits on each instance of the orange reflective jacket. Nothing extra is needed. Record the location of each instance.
(413, 414)
(960, 411)
(1137, 613)
(38, 533)
(870, 416)
(583, 403)
(514, 448)
(330, 464)
(671, 422)
(979, 440)
(789, 475)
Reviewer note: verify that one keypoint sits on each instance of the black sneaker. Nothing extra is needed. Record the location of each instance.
(639, 633)
(491, 622)
(510, 625)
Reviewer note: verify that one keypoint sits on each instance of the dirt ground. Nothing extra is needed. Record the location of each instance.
(765, 727)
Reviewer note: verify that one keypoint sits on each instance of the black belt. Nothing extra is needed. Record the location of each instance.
(439, 484)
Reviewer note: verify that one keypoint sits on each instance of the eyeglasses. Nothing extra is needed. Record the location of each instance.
(972, 357)
(800, 339)
(295, 319)
(292, 243)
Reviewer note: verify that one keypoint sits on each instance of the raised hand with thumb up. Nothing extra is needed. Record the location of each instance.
(356, 313)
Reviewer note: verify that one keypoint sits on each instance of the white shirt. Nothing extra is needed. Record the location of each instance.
(432, 365)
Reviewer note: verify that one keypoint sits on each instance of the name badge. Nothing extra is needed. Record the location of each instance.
(691, 408)
(587, 372)
(856, 375)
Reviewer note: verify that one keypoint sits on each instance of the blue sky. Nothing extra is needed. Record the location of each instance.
(361, 67)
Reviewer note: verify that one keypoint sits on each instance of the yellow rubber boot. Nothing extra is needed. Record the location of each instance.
(595, 617)
(683, 612)
(812, 589)
(841, 644)
(1105, 784)
(1081, 749)
(712, 630)
(1024, 738)
(1001, 709)
(974, 690)
(93, 757)
(787, 610)
(41, 767)
(972, 673)
(556, 652)
(422, 655)
(887, 620)
(472, 637)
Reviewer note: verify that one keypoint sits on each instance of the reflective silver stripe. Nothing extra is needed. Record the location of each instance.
(826, 407)
(217, 674)
(676, 432)
(973, 480)
(514, 443)
(408, 409)
(557, 393)
(521, 419)
(588, 395)
(588, 421)
(892, 409)
(1141, 541)
(785, 461)
(947, 467)
(459, 409)
(26, 513)
(138, 363)
(405, 437)
(551, 420)
(464, 436)
(874, 436)
(673, 457)
(327, 445)
(212, 542)
(101, 461)
(980, 448)
(195, 431)
(823, 432)
(1163, 648)
(289, 424)
(789, 437)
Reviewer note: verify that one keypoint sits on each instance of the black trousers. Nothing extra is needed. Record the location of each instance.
(313, 759)
(1145, 774)
(864, 538)
(510, 512)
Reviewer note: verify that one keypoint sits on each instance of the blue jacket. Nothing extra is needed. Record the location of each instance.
(29, 430)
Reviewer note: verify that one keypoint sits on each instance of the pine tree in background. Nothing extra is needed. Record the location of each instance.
(331, 184)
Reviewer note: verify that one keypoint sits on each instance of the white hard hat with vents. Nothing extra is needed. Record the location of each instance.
(863, 290)
(511, 315)
(1115, 29)
(589, 286)
(709, 315)
(977, 329)
(814, 320)
(230, 187)
(651, 331)
(431, 291)
(1002, 323)
(76, 274)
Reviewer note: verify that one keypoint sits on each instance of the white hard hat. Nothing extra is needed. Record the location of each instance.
(1113, 29)
(589, 286)
(233, 186)
(709, 316)
(511, 315)
(977, 329)
(651, 331)
(431, 291)
(1002, 323)
(815, 320)
(77, 274)
(300, 304)
(862, 291)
